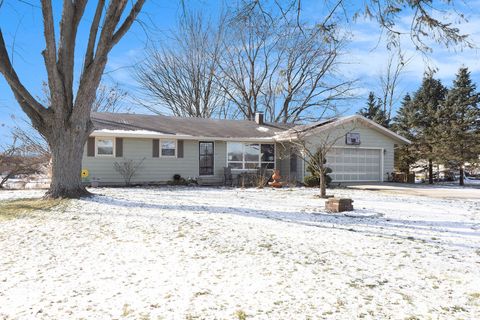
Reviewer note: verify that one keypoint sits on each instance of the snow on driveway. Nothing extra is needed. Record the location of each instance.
(208, 253)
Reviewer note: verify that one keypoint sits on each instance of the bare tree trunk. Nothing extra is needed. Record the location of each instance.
(462, 173)
(5, 179)
(430, 171)
(323, 187)
(67, 150)
(65, 121)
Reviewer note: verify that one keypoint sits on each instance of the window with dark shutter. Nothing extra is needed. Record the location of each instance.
(118, 147)
(155, 148)
(91, 147)
(180, 149)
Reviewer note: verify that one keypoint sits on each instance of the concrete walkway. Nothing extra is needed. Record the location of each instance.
(433, 191)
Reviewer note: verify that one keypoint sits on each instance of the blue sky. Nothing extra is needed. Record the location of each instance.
(365, 57)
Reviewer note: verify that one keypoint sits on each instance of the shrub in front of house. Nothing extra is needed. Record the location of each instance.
(178, 180)
(313, 181)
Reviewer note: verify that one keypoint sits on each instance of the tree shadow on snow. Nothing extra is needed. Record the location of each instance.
(423, 230)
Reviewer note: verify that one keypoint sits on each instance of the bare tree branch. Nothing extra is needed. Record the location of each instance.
(314, 149)
(128, 21)
(183, 78)
(27, 102)
(429, 21)
(92, 37)
(389, 80)
(66, 123)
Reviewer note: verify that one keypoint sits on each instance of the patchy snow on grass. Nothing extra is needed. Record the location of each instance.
(212, 253)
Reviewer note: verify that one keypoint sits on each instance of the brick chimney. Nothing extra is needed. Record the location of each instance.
(259, 117)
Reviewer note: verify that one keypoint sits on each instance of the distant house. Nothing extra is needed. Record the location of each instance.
(203, 148)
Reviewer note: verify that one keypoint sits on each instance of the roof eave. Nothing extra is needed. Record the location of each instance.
(292, 134)
(158, 135)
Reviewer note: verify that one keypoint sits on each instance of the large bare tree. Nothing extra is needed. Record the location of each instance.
(249, 60)
(273, 63)
(307, 83)
(66, 123)
(180, 76)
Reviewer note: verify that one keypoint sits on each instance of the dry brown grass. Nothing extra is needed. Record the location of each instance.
(11, 209)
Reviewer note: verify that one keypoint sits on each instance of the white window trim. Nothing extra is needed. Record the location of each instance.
(105, 155)
(243, 162)
(160, 155)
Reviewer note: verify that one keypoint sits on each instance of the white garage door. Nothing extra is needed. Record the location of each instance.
(352, 164)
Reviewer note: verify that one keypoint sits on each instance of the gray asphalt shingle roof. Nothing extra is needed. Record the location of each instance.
(197, 127)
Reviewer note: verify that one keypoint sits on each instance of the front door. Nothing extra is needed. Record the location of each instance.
(206, 158)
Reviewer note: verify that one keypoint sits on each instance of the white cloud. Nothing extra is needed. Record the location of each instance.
(366, 57)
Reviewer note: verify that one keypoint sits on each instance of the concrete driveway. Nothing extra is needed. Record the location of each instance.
(433, 191)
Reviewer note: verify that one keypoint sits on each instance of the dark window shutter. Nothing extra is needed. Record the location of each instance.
(180, 149)
(91, 147)
(118, 147)
(293, 162)
(155, 148)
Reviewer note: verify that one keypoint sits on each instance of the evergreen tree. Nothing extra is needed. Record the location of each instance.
(460, 129)
(404, 124)
(427, 103)
(374, 110)
(314, 169)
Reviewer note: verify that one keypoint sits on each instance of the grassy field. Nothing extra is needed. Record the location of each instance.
(208, 253)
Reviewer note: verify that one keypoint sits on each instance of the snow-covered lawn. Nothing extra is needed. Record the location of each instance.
(207, 253)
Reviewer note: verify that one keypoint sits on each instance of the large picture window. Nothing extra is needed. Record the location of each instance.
(104, 146)
(250, 156)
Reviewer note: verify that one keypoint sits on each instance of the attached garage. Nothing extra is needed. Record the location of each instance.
(360, 150)
(355, 164)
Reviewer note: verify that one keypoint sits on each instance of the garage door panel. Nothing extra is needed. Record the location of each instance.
(353, 164)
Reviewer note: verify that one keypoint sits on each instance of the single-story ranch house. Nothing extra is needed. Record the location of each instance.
(202, 148)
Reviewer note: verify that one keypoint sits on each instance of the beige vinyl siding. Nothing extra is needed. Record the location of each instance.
(283, 163)
(153, 170)
(161, 169)
(369, 138)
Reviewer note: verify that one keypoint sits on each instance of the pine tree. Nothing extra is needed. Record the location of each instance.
(460, 123)
(404, 124)
(374, 111)
(427, 103)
